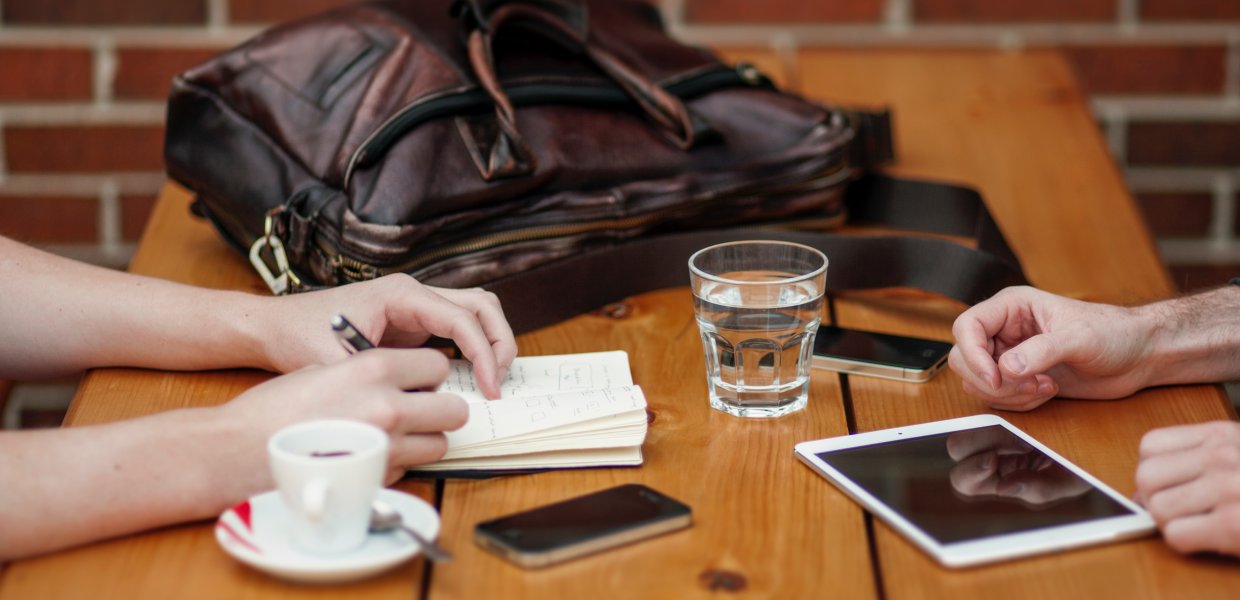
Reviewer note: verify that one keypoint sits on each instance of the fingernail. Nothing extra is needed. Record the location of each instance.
(1015, 490)
(1027, 388)
(987, 461)
(1015, 362)
(1045, 388)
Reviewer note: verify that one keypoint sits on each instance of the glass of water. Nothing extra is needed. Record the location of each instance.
(758, 305)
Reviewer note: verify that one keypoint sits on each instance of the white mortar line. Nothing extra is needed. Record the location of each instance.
(1223, 214)
(1231, 79)
(1180, 251)
(81, 184)
(118, 113)
(105, 64)
(87, 37)
(1173, 179)
(1128, 14)
(898, 16)
(217, 15)
(673, 12)
(1170, 108)
(785, 47)
(109, 216)
(1196, 34)
(1116, 120)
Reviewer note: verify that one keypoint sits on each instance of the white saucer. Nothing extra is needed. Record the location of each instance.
(255, 532)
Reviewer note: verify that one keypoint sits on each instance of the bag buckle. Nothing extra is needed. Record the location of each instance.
(284, 279)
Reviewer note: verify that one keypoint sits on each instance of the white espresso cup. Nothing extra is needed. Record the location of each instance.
(328, 473)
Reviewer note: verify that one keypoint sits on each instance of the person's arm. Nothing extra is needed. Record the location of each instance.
(60, 316)
(65, 487)
(1025, 346)
(1189, 479)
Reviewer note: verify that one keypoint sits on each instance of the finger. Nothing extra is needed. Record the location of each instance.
(972, 350)
(446, 319)
(1217, 531)
(1163, 471)
(1194, 497)
(1038, 353)
(1176, 438)
(486, 306)
(401, 369)
(417, 449)
(975, 475)
(424, 412)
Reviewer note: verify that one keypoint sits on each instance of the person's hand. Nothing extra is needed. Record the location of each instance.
(392, 311)
(1189, 479)
(1024, 346)
(369, 387)
(995, 463)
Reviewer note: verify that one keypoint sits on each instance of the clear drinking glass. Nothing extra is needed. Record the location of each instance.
(758, 305)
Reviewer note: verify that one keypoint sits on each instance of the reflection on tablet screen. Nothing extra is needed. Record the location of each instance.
(971, 484)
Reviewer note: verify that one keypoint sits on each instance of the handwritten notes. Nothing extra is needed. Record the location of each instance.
(554, 412)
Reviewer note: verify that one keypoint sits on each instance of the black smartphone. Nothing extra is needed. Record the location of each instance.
(583, 525)
(883, 355)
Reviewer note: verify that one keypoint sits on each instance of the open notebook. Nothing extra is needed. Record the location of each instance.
(571, 410)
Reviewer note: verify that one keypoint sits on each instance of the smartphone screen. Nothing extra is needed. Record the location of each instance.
(582, 525)
(878, 354)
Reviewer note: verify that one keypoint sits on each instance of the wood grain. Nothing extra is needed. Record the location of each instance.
(182, 561)
(1013, 126)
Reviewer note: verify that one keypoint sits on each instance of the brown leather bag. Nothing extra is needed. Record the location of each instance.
(501, 143)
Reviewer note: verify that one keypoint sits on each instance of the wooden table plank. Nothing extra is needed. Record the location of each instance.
(756, 509)
(182, 561)
(1013, 126)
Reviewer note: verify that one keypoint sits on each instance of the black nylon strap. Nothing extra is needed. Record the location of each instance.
(553, 292)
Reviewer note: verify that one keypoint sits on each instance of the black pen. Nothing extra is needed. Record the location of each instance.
(352, 339)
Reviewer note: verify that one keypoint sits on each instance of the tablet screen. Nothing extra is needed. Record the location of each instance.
(972, 484)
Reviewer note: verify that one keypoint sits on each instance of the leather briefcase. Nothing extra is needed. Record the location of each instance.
(475, 142)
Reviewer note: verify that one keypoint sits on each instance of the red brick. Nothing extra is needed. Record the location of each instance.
(45, 74)
(1190, 10)
(146, 73)
(782, 11)
(50, 220)
(111, 12)
(1184, 144)
(1172, 215)
(1149, 69)
(274, 11)
(1013, 11)
(1196, 277)
(84, 149)
(135, 212)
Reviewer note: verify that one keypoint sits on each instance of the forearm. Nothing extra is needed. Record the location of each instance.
(70, 486)
(59, 316)
(1194, 339)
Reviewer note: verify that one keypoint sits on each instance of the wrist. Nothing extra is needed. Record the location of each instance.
(1194, 339)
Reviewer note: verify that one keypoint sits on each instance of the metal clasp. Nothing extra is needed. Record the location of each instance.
(284, 278)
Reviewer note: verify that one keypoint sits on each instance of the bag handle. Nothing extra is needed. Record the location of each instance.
(508, 155)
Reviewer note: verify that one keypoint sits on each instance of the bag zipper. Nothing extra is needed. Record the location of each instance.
(476, 100)
(356, 270)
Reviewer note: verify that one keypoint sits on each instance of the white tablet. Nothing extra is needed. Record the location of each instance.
(975, 490)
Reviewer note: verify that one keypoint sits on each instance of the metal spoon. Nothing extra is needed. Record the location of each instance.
(385, 518)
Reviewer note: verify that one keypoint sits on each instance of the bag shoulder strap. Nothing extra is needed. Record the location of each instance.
(556, 291)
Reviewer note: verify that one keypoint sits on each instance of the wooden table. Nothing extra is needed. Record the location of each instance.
(1013, 125)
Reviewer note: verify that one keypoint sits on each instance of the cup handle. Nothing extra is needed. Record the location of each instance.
(314, 499)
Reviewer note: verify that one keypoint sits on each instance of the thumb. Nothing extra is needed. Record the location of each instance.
(1039, 353)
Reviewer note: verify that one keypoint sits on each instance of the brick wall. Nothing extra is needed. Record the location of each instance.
(82, 84)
